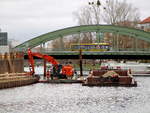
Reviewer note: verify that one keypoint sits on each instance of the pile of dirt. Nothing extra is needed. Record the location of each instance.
(110, 74)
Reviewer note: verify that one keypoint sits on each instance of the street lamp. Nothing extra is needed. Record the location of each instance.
(95, 6)
(96, 9)
(97, 3)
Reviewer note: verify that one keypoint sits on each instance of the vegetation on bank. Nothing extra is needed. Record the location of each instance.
(86, 67)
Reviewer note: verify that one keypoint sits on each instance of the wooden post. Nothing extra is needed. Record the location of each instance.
(1, 56)
(80, 58)
(44, 68)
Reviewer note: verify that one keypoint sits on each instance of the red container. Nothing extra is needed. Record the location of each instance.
(125, 80)
(99, 72)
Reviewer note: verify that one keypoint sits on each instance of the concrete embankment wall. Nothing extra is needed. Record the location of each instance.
(11, 63)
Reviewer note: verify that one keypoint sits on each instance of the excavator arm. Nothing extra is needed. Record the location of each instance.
(39, 55)
(31, 62)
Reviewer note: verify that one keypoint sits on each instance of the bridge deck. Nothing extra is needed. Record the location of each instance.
(99, 55)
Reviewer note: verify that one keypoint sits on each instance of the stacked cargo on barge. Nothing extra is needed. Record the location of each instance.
(12, 71)
(110, 77)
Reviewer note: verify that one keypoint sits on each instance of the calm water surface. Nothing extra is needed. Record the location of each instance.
(75, 98)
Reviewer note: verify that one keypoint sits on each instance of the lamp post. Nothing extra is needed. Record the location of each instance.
(97, 3)
(96, 9)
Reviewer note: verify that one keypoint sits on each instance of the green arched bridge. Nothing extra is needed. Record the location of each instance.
(131, 32)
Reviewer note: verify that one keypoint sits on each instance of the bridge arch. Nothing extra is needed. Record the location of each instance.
(136, 33)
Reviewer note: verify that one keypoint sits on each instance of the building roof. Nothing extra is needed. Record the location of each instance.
(147, 20)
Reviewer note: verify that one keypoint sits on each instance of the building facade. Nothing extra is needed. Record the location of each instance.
(4, 43)
(145, 24)
(3, 39)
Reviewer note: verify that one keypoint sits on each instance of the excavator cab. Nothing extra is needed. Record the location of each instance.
(56, 72)
(68, 71)
(63, 72)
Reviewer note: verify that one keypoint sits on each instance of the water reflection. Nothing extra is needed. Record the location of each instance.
(74, 98)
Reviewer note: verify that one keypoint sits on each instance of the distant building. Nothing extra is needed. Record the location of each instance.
(3, 39)
(145, 24)
(3, 43)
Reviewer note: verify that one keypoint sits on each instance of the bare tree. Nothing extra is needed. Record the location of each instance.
(87, 15)
(83, 16)
(121, 13)
(116, 12)
(58, 44)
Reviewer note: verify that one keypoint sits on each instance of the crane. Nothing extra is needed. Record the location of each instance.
(60, 71)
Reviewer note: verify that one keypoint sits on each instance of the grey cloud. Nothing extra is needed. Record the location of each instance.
(26, 19)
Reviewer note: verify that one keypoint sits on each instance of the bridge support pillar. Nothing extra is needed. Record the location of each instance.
(80, 56)
(117, 42)
(136, 44)
(99, 36)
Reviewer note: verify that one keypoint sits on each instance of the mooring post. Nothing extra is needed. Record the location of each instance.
(44, 68)
(80, 57)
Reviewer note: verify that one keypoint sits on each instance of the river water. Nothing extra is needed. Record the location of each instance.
(75, 98)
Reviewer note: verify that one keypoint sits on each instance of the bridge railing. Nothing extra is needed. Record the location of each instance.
(131, 49)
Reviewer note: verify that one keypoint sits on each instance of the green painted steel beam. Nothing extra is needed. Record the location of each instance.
(136, 33)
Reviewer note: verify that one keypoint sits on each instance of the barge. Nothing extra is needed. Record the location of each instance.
(17, 81)
(110, 77)
(58, 81)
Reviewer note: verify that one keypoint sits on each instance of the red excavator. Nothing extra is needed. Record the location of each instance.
(58, 70)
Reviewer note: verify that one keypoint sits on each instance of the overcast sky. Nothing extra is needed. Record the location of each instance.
(25, 19)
